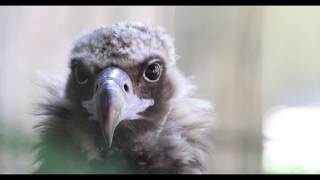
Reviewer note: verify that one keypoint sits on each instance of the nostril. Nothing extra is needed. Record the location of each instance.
(126, 88)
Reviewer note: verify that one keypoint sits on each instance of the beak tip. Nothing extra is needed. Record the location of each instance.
(109, 138)
(110, 143)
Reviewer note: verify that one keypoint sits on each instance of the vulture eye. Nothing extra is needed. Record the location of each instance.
(81, 77)
(153, 72)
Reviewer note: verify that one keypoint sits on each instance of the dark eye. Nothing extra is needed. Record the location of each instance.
(153, 72)
(80, 76)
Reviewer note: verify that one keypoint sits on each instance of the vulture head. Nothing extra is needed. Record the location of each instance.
(125, 108)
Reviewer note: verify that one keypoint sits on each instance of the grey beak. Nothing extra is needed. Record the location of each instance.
(115, 100)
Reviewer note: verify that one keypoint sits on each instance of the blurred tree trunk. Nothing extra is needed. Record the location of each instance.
(225, 42)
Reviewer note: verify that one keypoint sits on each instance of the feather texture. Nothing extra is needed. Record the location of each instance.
(71, 143)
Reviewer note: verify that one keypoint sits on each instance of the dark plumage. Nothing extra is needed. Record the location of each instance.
(161, 130)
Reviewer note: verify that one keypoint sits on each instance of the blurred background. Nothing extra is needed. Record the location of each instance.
(259, 66)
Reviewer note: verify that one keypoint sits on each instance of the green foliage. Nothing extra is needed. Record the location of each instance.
(14, 139)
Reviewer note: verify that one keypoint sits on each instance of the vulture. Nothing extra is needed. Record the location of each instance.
(125, 108)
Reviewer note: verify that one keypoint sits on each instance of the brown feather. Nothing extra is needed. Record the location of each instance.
(172, 136)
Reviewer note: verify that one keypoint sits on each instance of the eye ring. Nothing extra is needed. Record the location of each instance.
(80, 80)
(153, 72)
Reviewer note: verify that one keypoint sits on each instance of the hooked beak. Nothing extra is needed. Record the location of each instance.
(115, 100)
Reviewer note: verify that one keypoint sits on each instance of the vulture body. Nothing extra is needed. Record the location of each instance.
(125, 108)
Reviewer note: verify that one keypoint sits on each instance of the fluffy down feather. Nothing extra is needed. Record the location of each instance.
(71, 143)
